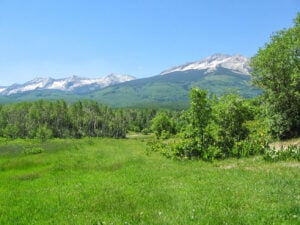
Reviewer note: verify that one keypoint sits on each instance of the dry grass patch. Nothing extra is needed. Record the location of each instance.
(284, 144)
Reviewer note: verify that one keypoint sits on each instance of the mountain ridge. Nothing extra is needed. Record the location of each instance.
(236, 63)
(70, 84)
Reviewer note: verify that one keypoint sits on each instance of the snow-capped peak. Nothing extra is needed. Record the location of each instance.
(236, 63)
(72, 83)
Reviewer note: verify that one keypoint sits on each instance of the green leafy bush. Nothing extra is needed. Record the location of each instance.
(33, 151)
(145, 131)
(163, 126)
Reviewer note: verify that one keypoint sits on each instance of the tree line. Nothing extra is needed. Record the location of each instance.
(47, 119)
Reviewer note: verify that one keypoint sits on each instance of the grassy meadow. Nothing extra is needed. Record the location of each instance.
(109, 181)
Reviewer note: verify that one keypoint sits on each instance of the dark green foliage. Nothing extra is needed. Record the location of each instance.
(276, 69)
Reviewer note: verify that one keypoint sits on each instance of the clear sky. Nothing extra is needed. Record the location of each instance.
(93, 38)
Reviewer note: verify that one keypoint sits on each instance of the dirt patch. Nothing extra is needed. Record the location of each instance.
(285, 144)
(292, 164)
(229, 166)
(30, 176)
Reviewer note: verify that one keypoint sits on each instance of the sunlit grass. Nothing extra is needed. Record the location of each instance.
(106, 181)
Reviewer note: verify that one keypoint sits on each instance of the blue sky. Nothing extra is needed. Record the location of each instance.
(93, 38)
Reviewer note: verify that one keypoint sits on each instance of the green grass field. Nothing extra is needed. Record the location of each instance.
(107, 181)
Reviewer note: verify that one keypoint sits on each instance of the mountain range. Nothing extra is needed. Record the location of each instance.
(71, 84)
(217, 74)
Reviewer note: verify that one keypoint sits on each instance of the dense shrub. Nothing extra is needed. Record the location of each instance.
(215, 128)
(163, 126)
(33, 151)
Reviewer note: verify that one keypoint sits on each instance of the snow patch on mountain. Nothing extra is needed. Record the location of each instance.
(2, 89)
(236, 63)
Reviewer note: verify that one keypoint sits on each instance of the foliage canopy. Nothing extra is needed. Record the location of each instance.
(276, 69)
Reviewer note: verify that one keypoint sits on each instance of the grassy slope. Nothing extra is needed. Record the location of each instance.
(92, 181)
(175, 87)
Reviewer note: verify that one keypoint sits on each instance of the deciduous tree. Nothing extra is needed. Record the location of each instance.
(276, 69)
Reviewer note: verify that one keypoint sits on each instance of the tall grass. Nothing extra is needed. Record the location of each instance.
(105, 181)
